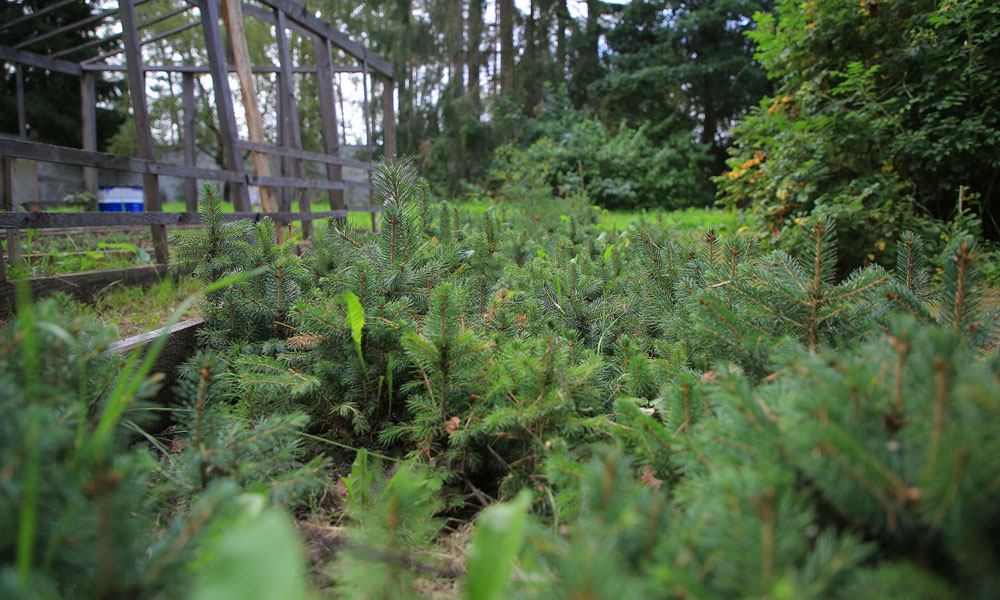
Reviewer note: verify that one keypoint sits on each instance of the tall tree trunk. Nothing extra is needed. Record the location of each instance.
(456, 46)
(531, 83)
(593, 36)
(562, 19)
(507, 45)
(475, 39)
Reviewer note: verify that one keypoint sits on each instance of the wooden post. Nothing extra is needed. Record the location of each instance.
(290, 115)
(190, 141)
(20, 186)
(144, 136)
(22, 120)
(389, 119)
(232, 16)
(231, 154)
(328, 117)
(88, 120)
(284, 195)
(368, 138)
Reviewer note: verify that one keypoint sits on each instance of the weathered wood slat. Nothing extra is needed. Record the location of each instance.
(228, 132)
(328, 116)
(140, 116)
(318, 184)
(306, 155)
(86, 158)
(300, 15)
(75, 25)
(180, 345)
(205, 69)
(289, 122)
(32, 59)
(88, 126)
(52, 220)
(115, 36)
(190, 142)
(49, 220)
(81, 285)
(389, 118)
(145, 42)
(37, 13)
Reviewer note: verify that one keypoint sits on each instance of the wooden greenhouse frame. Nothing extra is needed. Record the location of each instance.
(18, 152)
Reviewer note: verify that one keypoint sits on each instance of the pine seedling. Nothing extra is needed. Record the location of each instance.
(538, 395)
(215, 250)
(803, 298)
(961, 293)
(447, 360)
(391, 524)
(910, 288)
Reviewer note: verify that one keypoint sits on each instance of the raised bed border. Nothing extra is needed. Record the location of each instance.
(79, 285)
(181, 344)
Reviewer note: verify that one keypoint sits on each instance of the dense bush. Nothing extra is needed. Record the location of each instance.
(885, 119)
(709, 421)
(616, 168)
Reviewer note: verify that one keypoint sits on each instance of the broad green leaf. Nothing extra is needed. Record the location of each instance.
(356, 319)
(257, 557)
(495, 544)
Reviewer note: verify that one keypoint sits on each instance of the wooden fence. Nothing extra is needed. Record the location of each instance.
(20, 154)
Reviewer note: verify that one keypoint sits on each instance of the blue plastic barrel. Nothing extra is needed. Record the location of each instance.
(120, 199)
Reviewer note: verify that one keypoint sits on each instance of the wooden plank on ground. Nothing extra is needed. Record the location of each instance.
(181, 344)
(80, 285)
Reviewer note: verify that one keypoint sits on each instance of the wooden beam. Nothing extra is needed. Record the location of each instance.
(306, 155)
(228, 133)
(181, 343)
(389, 119)
(368, 136)
(328, 116)
(300, 15)
(20, 186)
(11, 146)
(291, 136)
(284, 164)
(75, 25)
(100, 40)
(88, 120)
(205, 69)
(190, 141)
(22, 119)
(232, 16)
(155, 38)
(56, 220)
(317, 184)
(31, 59)
(37, 13)
(140, 114)
(267, 16)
